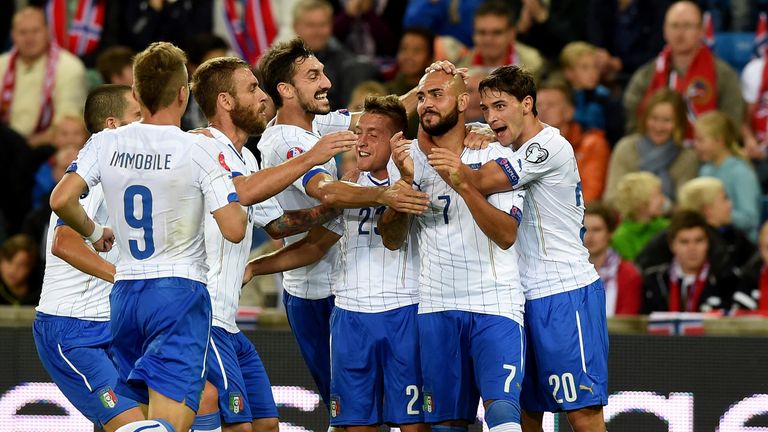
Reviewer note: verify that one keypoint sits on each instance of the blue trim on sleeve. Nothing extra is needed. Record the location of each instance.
(236, 174)
(311, 173)
(71, 168)
(60, 222)
(509, 170)
(233, 197)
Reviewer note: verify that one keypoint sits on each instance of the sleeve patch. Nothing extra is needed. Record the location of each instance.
(293, 152)
(509, 170)
(535, 153)
(517, 214)
(223, 162)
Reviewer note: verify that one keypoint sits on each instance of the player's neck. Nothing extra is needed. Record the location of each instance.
(235, 134)
(531, 127)
(294, 116)
(168, 116)
(453, 139)
(380, 174)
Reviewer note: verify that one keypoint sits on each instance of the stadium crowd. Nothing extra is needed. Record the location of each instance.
(671, 140)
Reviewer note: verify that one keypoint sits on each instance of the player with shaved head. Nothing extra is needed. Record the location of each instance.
(471, 299)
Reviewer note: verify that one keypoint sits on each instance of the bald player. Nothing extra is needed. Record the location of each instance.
(471, 301)
(71, 329)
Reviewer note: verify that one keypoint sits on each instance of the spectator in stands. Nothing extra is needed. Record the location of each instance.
(657, 148)
(19, 164)
(313, 22)
(69, 136)
(706, 196)
(41, 81)
(140, 23)
(689, 67)
(365, 88)
(595, 109)
(553, 101)
(443, 17)
(115, 65)
(621, 280)
(628, 33)
(18, 260)
(717, 145)
(640, 203)
(415, 53)
(690, 282)
(361, 27)
(473, 112)
(549, 25)
(754, 286)
(754, 129)
(495, 40)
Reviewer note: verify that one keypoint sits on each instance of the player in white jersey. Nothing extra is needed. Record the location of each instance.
(229, 95)
(71, 328)
(567, 367)
(471, 302)
(294, 78)
(158, 182)
(374, 338)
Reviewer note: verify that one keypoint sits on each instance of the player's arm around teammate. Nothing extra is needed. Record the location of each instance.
(69, 246)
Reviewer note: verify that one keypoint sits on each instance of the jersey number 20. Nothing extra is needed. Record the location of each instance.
(144, 221)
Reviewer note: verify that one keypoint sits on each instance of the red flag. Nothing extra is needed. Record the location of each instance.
(709, 31)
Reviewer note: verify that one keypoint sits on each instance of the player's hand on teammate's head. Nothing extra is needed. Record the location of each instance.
(202, 131)
(448, 164)
(403, 198)
(332, 144)
(107, 240)
(478, 136)
(449, 68)
(401, 155)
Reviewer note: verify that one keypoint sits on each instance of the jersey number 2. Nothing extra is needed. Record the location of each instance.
(144, 221)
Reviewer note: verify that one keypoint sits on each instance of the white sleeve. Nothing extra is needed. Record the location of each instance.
(214, 180)
(87, 163)
(751, 79)
(266, 211)
(534, 161)
(334, 121)
(288, 149)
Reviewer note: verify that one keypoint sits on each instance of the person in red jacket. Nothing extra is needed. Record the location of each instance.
(622, 281)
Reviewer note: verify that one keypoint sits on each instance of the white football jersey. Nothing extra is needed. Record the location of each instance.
(374, 278)
(227, 260)
(278, 144)
(158, 181)
(66, 290)
(461, 268)
(550, 240)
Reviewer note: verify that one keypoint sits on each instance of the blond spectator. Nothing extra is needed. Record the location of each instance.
(640, 203)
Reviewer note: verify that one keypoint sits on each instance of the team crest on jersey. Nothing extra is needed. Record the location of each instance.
(293, 152)
(335, 406)
(108, 398)
(236, 403)
(535, 154)
(223, 162)
(429, 403)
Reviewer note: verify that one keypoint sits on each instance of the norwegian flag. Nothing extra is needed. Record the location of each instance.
(761, 37)
(56, 15)
(253, 30)
(709, 31)
(85, 31)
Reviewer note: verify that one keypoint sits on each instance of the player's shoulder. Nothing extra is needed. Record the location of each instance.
(545, 146)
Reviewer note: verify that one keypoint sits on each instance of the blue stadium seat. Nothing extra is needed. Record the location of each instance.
(734, 48)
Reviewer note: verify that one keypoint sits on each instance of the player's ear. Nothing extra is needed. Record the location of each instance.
(225, 100)
(111, 123)
(527, 105)
(285, 90)
(463, 102)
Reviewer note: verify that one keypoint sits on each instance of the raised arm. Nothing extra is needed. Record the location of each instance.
(498, 225)
(70, 246)
(299, 221)
(266, 183)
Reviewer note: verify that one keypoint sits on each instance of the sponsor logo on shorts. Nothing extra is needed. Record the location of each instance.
(589, 389)
(108, 398)
(236, 402)
(335, 406)
(429, 403)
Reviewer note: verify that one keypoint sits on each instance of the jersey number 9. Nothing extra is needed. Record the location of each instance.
(144, 221)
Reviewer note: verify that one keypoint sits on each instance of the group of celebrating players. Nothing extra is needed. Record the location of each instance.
(437, 273)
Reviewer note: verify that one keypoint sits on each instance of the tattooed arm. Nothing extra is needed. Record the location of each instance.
(298, 221)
